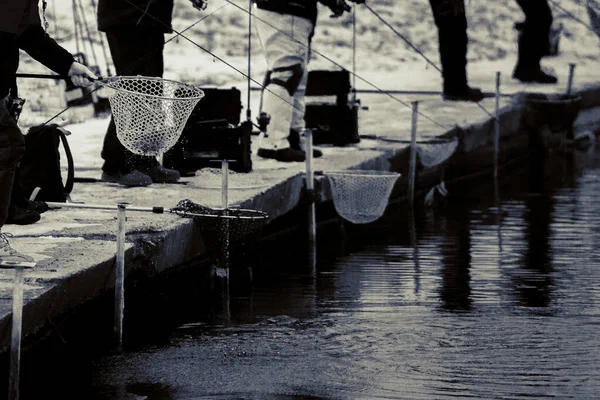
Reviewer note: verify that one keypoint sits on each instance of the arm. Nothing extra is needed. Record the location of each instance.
(44, 49)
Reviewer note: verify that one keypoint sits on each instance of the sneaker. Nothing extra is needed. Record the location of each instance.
(10, 257)
(284, 155)
(160, 174)
(537, 76)
(22, 216)
(133, 178)
(465, 94)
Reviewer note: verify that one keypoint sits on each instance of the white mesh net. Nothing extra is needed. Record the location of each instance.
(361, 196)
(433, 154)
(150, 113)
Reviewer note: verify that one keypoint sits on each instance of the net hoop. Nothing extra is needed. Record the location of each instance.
(109, 83)
(150, 112)
(361, 196)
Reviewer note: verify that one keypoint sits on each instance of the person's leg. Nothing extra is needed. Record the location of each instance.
(451, 21)
(533, 42)
(135, 51)
(12, 148)
(287, 50)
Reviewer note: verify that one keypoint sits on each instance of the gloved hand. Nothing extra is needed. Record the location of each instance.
(81, 75)
(338, 7)
(199, 4)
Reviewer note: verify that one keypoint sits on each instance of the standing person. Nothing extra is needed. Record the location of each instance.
(20, 28)
(285, 30)
(533, 42)
(135, 31)
(451, 22)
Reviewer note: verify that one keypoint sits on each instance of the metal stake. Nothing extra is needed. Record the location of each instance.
(570, 82)
(120, 276)
(497, 126)
(310, 192)
(15, 344)
(413, 154)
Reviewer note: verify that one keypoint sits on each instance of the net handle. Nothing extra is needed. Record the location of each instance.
(104, 83)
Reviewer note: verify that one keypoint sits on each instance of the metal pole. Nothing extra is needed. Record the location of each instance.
(497, 126)
(120, 276)
(15, 346)
(570, 82)
(248, 112)
(225, 205)
(413, 154)
(310, 192)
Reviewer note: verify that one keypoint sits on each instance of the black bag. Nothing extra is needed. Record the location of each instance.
(40, 165)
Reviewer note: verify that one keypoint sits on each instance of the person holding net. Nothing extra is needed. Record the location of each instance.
(20, 28)
(285, 30)
(135, 31)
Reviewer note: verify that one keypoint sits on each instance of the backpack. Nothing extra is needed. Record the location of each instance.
(40, 165)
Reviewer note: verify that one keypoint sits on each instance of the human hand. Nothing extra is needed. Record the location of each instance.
(81, 75)
(199, 4)
(338, 7)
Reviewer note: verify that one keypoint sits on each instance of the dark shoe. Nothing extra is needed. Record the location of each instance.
(465, 94)
(294, 140)
(536, 76)
(10, 257)
(37, 206)
(160, 174)
(284, 155)
(22, 216)
(133, 178)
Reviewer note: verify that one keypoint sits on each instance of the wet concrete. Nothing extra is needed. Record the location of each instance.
(492, 293)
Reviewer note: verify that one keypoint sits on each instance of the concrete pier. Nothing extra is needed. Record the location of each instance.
(75, 248)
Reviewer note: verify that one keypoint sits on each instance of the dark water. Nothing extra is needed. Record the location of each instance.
(492, 298)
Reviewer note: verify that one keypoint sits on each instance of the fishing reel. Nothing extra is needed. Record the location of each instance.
(199, 4)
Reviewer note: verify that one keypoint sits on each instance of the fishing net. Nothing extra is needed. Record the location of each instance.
(361, 196)
(432, 154)
(211, 178)
(222, 229)
(150, 113)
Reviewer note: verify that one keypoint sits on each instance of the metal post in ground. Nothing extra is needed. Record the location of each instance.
(15, 343)
(497, 126)
(120, 277)
(570, 81)
(310, 192)
(496, 162)
(413, 154)
(225, 244)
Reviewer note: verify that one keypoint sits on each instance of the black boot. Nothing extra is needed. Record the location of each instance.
(294, 140)
(465, 93)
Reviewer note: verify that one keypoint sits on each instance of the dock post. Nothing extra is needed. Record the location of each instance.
(15, 343)
(570, 81)
(310, 192)
(120, 276)
(413, 154)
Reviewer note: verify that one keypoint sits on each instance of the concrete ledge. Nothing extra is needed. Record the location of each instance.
(76, 261)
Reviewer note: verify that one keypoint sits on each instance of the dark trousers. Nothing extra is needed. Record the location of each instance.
(534, 36)
(451, 22)
(12, 148)
(134, 51)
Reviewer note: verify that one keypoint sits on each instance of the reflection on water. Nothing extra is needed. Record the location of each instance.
(471, 299)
